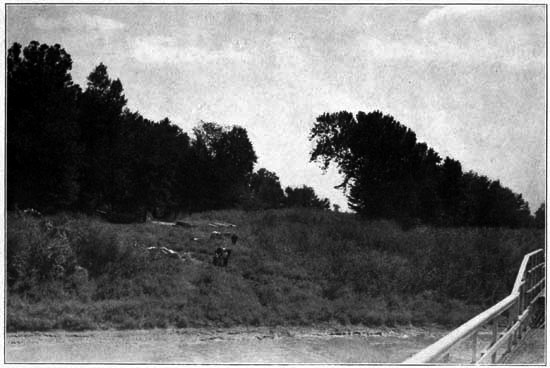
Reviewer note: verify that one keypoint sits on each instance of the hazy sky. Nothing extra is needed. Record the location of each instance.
(468, 79)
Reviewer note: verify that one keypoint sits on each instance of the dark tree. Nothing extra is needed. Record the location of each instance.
(388, 174)
(266, 188)
(540, 216)
(225, 160)
(451, 192)
(506, 207)
(305, 197)
(84, 150)
(235, 159)
(170, 187)
(42, 132)
(101, 108)
(487, 203)
(155, 170)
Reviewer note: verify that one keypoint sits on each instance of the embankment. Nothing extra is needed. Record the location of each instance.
(291, 267)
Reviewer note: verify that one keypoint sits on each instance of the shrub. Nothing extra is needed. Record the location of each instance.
(96, 249)
(36, 253)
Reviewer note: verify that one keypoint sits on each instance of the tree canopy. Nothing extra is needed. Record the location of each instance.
(84, 150)
(540, 216)
(266, 188)
(387, 173)
(42, 137)
(305, 197)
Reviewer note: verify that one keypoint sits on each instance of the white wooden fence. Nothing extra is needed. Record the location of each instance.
(513, 314)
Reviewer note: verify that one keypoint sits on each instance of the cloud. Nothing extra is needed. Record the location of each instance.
(165, 50)
(503, 14)
(46, 23)
(511, 35)
(83, 22)
(454, 12)
(95, 23)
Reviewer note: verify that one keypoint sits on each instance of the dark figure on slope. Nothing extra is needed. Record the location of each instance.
(221, 257)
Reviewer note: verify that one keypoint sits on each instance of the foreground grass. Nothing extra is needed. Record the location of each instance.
(290, 267)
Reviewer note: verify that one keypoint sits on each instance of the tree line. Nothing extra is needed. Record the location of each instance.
(389, 174)
(74, 148)
(82, 149)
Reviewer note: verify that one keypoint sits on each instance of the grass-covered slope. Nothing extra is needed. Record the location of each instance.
(289, 267)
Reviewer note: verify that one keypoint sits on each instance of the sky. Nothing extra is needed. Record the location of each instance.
(469, 80)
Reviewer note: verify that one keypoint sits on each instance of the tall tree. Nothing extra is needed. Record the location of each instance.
(43, 151)
(225, 158)
(540, 216)
(166, 163)
(387, 173)
(305, 196)
(154, 173)
(451, 192)
(266, 188)
(101, 108)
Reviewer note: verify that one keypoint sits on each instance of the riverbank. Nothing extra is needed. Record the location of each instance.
(291, 267)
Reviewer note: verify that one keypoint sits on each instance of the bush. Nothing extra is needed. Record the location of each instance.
(36, 253)
(96, 249)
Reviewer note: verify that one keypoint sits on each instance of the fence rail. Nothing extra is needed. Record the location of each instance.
(518, 311)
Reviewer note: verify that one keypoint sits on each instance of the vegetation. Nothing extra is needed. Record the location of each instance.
(289, 267)
(540, 217)
(90, 152)
(296, 262)
(388, 174)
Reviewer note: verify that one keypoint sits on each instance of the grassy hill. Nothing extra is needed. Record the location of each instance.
(289, 267)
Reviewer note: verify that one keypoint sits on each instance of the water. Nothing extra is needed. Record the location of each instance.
(236, 345)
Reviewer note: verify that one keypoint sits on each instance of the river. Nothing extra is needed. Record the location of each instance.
(211, 345)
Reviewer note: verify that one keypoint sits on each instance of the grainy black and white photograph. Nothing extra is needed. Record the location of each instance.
(226, 183)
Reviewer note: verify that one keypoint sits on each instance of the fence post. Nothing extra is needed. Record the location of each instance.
(474, 347)
(516, 317)
(520, 310)
(495, 336)
(509, 325)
